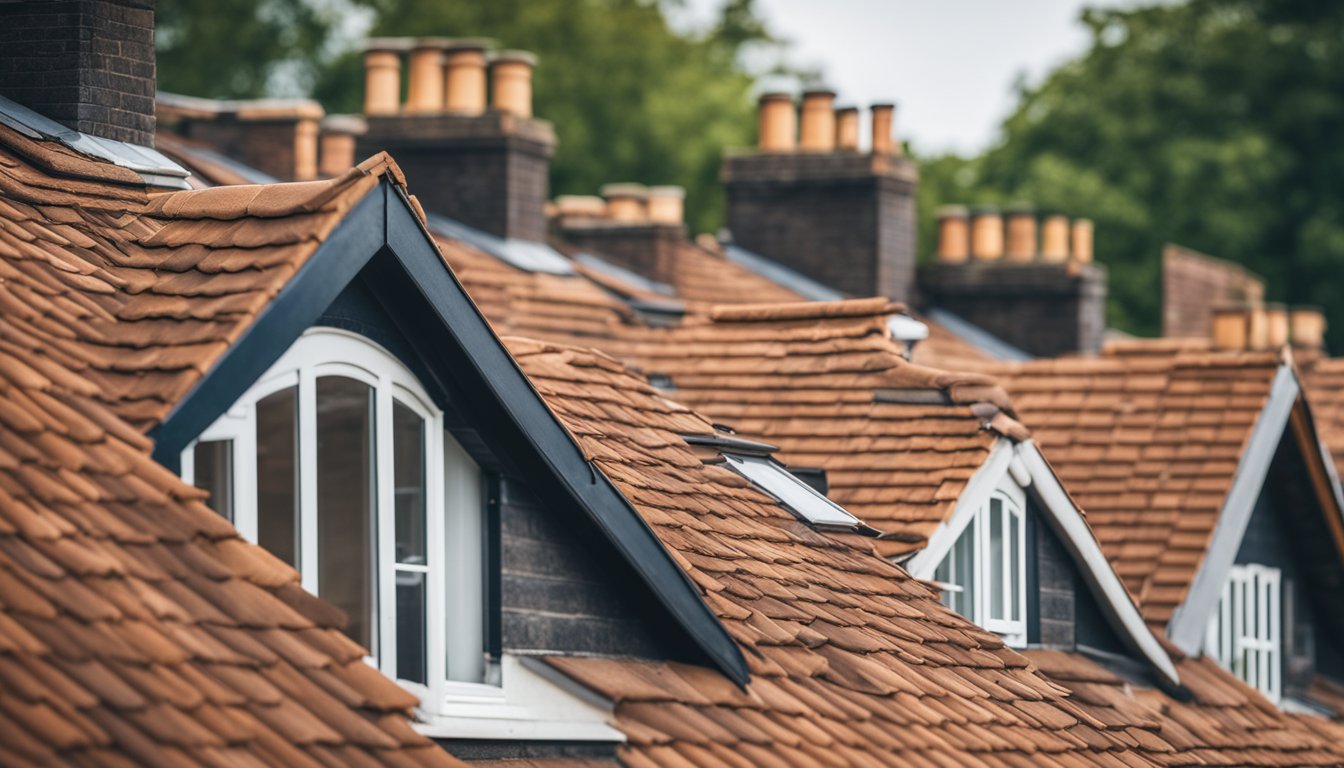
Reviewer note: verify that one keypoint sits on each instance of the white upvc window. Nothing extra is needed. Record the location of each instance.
(337, 462)
(983, 575)
(1244, 634)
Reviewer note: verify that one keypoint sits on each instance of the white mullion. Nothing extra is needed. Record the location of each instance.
(978, 568)
(1275, 640)
(307, 533)
(188, 463)
(385, 613)
(245, 476)
(436, 608)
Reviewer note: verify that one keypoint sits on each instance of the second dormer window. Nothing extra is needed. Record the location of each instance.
(984, 573)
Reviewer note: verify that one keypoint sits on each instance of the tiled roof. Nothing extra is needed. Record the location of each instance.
(1225, 722)
(1147, 438)
(853, 662)
(825, 383)
(153, 287)
(1325, 390)
(136, 627)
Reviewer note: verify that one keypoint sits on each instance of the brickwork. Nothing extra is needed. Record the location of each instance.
(645, 249)
(1193, 285)
(490, 172)
(1043, 309)
(88, 64)
(844, 219)
(267, 146)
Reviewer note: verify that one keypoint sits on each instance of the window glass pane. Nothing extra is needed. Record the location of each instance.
(214, 473)
(1014, 564)
(994, 582)
(408, 462)
(411, 626)
(963, 572)
(345, 502)
(278, 474)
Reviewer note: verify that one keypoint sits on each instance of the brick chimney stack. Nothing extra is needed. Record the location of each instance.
(1046, 299)
(482, 162)
(88, 64)
(638, 228)
(279, 137)
(815, 202)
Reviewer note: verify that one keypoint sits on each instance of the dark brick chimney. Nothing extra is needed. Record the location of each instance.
(88, 64)
(486, 166)
(843, 217)
(278, 137)
(632, 226)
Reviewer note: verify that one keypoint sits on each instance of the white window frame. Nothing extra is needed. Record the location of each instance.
(1247, 642)
(1013, 629)
(453, 517)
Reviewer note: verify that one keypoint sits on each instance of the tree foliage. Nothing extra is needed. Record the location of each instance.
(1214, 124)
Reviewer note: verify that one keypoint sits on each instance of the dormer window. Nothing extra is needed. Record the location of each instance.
(983, 575)
(1245, 634)
(337, 462)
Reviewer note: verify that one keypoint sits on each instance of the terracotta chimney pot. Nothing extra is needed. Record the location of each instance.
(1257, 328)
(818, 128)
(1081, 236)
(626, 202)
(1055, 238)
(511, 73)
(464, 76)
(382, 76)
(667, 204)
(847, 129)
(424, 89)
(986, 233)
(581, 206)
(338, 135)
(1307, 325)
(1276, 326)
(1231, 328)
(1021, 233)
(778, 123)
(305, 150)
(884, 116)
(954, 234)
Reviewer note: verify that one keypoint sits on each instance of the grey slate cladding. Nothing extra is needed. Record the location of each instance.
(88, 64)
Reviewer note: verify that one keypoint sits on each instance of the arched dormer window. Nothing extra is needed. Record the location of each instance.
(984, 573)
(337, 462)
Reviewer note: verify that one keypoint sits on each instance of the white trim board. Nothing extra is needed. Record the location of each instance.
(1023, 464)
(1191, 618)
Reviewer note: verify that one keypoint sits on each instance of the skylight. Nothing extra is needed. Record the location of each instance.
(800, 498)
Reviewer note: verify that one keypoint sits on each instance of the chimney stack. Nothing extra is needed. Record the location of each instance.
(1307, 327)
(847, 129)
(954, 235)
(425, 90)
(512, 73)
(88, 64)
(884, 116)
(336, 143)
(382, 76)
(626, 203)
(1055, 238)
(278, 137)
(986, 233)
(464, 76)
(777, 122)
(1021, 233)
(818, 129)
(641, 228)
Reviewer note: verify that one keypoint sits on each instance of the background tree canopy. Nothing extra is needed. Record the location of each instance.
(1212, 123)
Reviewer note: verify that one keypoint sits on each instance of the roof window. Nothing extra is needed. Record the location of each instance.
(799, 497)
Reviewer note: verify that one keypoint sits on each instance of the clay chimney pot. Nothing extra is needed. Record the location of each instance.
(1055, 238)
(626, 202)
(954, 236)
(847, 129)
(1021, 233)
(464, 76)
(382, 76)
(778, 123)
(986, 234)
(424, 89)
(1081, 235)
(511, 73)
(666, 204)
(1307, 326)
(884, 117)
(1231, 328)
(1276, 326)
(581, 206)
(818, 127)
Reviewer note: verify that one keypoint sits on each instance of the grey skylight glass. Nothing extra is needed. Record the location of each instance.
(800, 498)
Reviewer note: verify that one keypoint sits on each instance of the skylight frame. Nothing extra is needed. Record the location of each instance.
(793, 494)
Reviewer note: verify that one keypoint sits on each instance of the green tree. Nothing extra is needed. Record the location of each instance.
(1212, 123)
(631, 98)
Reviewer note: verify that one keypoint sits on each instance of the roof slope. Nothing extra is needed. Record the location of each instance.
(1325, 389)
(853, 661)
(136, 627)
(825, 383)
(140, 292)
(1147, 438)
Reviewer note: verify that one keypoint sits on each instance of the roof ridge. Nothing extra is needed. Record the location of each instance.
(805, 310)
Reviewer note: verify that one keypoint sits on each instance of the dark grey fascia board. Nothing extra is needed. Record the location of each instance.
(384, 221)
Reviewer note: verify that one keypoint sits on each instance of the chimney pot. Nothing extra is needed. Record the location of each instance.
(847, 129)
(337, 144)
(464, 76)
(1307, 325)
(818, 128)
(1021, 232)
(1231, 328)
(424, 89)
(382, 76)
(884, 117)
(1257, 328)
(986, 233)
(626, 202)
(666, 204)
(1082, 240)
(778, 123)
(581, 206)
(1276, 326)
(512, 75)
(954, 245)
(1055, 238)
(305, 150)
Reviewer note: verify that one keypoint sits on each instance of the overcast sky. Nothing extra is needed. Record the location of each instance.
(950, 65)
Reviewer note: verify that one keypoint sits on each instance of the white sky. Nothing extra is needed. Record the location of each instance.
(949, 65)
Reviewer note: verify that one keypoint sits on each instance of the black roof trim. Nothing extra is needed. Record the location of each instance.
(729, 444)
(384, 222)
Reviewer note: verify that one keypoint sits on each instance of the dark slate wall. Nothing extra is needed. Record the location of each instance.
(1062, 611)
(88, 64)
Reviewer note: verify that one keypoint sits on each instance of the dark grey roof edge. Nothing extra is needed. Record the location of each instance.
(800, 284)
